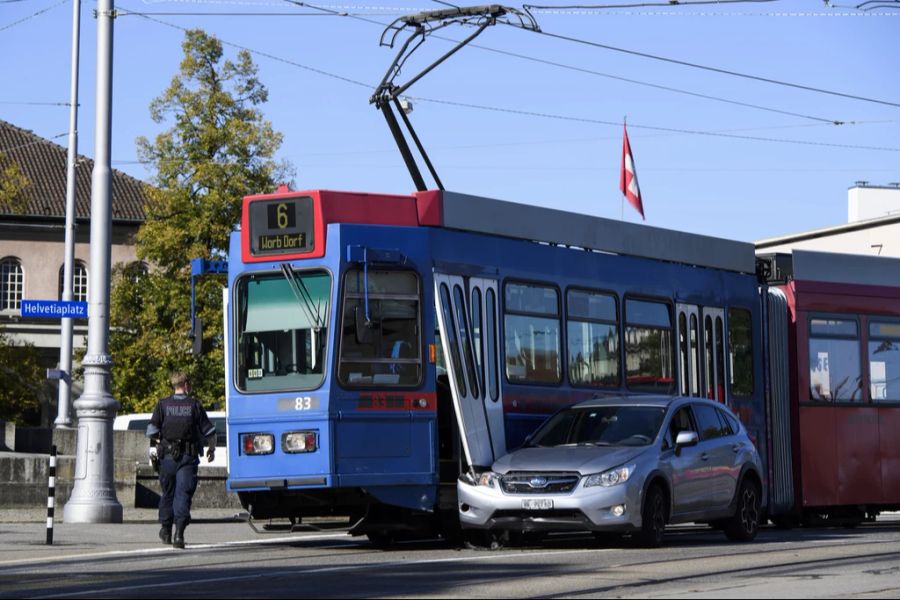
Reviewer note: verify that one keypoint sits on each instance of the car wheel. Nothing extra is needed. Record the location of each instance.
(381, 540)
(653, 519)
(482, 540)
(744, 525)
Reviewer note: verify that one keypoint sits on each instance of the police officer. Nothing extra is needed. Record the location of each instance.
(179, 424)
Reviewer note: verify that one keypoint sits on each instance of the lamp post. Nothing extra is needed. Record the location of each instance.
(93, 498)
(64, 413)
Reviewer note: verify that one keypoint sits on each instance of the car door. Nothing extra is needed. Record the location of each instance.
(717, 457)
(688, 485)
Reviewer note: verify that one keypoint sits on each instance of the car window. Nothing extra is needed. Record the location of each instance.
(138, 424)
(221, 437)
(681, 421)
(603, 426)
(730, 425)
(710, 426)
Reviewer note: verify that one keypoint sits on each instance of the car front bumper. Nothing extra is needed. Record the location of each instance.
(583, 509)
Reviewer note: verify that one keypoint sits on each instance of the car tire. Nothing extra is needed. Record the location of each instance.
(653, 519)
(744, 525)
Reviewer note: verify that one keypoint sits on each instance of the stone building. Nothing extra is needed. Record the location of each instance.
(32, 239)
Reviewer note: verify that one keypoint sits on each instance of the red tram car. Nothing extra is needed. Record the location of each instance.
(836, 434)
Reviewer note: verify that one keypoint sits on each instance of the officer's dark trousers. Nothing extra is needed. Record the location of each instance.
(178, 481)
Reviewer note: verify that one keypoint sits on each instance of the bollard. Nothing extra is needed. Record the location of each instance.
(51, 495)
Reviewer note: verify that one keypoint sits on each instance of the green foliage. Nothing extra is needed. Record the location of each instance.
(13, 183)
(218, 149)
(21, 381)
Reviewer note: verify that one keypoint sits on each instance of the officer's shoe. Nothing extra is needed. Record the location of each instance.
(178, 540)
(165, 534)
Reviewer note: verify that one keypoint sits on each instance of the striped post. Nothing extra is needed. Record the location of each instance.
(51, 495)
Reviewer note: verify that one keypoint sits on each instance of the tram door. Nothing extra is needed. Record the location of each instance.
(689, 353)
(714, 353)
(467, 311)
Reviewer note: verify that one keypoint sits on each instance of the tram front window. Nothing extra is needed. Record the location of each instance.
(281, 330)
(380, 329)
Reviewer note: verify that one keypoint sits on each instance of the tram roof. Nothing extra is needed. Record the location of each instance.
(542, 224)
(832, 267)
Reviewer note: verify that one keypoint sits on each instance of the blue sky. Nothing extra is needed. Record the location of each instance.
(556, 139)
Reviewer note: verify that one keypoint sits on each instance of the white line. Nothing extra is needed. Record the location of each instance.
(301, 572)
(148, 551)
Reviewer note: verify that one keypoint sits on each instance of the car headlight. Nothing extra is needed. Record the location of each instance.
(611, 477)
(488, 479)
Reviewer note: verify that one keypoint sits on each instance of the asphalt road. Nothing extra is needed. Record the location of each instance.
(226, 559)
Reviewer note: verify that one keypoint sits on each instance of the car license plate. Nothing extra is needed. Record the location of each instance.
(537, 504)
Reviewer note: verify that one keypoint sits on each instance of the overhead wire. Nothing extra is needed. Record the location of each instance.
(715, 69)
(653, 127)
(515, 111)
(32, 16)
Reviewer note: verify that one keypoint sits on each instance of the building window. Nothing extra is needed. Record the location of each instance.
(12, 284)
(79, 281)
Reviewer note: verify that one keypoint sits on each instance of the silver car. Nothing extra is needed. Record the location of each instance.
(623, 465)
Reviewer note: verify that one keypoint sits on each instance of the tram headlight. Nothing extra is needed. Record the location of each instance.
(295, 442)
(257, 443)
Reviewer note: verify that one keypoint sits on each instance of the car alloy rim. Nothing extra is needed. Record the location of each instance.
(659, 518)
(749, 512)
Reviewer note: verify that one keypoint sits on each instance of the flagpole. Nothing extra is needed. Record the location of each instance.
(624, 124)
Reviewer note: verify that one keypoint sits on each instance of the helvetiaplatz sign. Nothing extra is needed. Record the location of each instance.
(53, 309)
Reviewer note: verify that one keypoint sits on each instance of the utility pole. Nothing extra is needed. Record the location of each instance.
(64, 401)
(93, 497)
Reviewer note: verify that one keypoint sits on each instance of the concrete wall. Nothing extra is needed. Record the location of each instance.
(24, 473)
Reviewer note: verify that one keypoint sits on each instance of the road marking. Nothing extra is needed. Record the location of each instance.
(302, 572)
(46, 560)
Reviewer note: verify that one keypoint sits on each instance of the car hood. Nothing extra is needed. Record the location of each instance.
(584, 459)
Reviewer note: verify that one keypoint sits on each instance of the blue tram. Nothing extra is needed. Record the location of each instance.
(379, 346)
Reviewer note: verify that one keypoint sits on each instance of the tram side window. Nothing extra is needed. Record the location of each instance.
(649, 349)
(740, 351)
(884, 361)
(834, 365)
(380, 330)
(593, 339)
(281, 331)
(532, 339)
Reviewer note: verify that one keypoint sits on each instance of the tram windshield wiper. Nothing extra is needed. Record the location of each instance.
(304, 298)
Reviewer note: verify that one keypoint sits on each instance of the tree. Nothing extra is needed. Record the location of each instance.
(218, 149)
(21, 382)
(13, 183)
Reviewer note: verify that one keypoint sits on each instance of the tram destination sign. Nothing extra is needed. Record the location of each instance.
(52, 309)
(281, 226)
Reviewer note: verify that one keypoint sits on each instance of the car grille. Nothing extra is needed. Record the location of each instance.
(539, 483)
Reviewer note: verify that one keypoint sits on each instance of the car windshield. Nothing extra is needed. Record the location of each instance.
(601, 426)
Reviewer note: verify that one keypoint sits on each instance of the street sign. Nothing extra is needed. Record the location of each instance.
(52, 309)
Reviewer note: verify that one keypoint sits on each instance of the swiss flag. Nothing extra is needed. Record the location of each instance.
(628, 183)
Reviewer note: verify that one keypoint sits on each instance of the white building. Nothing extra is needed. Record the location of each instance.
(872, 228)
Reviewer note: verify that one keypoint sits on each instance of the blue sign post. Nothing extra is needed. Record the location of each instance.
(52, 309)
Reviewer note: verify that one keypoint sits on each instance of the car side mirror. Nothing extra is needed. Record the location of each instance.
(686, 439)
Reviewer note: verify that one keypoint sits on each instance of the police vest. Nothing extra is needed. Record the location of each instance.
(179, 418)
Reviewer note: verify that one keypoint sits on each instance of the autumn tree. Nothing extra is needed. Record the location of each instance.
(13, 183)
(217, 149)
